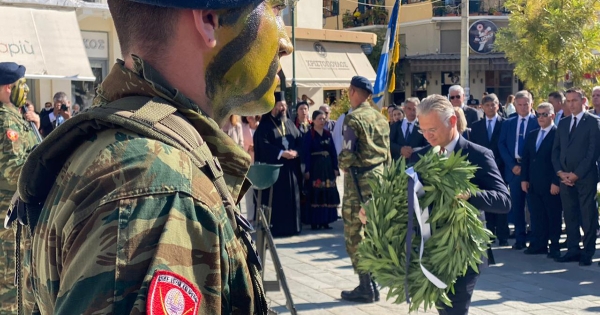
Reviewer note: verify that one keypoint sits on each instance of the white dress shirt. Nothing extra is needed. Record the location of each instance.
(493, 119)
(546, 131)
(517, 156)
(573, 120)
(558, 117)
(405, 125)
(450, 146)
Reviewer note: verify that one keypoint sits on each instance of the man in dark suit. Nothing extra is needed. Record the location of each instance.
(438, 124)
(574, 156)
(561, 110)
(457, 98)
(486, 133)
(405, 137)
(511, 146)
(541, 184)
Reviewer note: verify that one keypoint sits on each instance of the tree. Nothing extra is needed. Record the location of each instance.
(546, 39)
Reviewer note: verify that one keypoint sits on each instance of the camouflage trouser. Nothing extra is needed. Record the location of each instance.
(353, 228)
(8, 291)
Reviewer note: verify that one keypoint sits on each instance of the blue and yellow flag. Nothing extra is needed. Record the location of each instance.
(391, 44)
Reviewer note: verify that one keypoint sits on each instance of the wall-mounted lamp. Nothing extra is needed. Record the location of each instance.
(436, 82)
(473, 80)
(407, 84)
(481, 80)
(516, 79)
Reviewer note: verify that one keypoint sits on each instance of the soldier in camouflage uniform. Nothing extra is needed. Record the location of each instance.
(129, 224)
(17, 140)
(365, 152)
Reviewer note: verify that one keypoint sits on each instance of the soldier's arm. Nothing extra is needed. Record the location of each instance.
(348, 157)
(14, 153)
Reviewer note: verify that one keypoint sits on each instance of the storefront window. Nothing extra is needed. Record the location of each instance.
(84, 91)
(500, 83)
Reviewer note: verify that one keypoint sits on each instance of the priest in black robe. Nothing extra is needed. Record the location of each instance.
(278, 141)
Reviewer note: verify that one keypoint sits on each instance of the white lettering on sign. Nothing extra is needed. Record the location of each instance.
(320, 64)
(96, 44)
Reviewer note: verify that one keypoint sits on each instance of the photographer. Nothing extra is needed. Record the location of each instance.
(60, 114)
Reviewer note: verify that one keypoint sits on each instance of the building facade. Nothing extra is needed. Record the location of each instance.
(67, 46)
(430, 38)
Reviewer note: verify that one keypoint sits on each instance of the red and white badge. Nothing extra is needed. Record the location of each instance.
(172, 294)
(12, 135)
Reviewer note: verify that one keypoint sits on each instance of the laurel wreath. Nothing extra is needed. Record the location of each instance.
(458, 240)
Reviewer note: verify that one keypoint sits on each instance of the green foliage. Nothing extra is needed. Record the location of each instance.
(547, 38)
(458, 239)
(341, 105)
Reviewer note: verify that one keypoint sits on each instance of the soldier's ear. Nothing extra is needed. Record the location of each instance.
(206, 22)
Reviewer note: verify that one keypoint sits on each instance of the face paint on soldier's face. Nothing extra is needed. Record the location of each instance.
(241, 75)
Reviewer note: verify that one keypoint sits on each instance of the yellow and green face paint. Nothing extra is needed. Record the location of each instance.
(18, 92)
(241, 75)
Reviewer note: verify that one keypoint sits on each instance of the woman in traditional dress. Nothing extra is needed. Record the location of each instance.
(321, 170)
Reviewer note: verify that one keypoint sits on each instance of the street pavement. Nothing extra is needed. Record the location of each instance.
(317, 269)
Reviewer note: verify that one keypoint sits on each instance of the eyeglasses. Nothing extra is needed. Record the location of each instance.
(428, 131)
(542, 115)
(455, 97)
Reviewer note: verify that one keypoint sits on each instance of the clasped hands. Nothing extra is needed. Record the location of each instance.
(568, 179)
(290, 154)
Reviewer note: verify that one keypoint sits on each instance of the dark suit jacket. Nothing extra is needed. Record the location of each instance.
(537, 166)
(494, 195)
(472, 115)
(479, 136)
(578, 153)
(507, 142)
(397, 141)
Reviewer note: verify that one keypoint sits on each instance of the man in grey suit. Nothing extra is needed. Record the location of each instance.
(457, 98)
(574, 157)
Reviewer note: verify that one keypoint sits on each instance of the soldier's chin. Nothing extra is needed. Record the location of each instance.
(258, 107)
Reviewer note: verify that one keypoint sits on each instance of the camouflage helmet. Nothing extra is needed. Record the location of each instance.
(197, 4)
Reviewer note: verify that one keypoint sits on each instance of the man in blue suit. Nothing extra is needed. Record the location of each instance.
(486, 133)
(542, 185)
(438, 125)
(512, 147)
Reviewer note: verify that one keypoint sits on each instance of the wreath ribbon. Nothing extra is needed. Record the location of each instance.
(415, 190)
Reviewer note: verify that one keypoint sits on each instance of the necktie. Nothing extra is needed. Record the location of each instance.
(443, 151)
(490, 131)
(557, 119)
(539, 142)
(520, 142)
(407, 133)
(574, 125)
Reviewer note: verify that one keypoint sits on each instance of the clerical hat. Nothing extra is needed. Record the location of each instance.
(279, 96)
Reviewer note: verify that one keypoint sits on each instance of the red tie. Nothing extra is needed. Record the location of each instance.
(443, 151)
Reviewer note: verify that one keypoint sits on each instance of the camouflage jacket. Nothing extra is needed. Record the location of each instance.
(366, 141)
(122, 206)
(17, 139)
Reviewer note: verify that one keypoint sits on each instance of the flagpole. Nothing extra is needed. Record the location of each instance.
(464, 49)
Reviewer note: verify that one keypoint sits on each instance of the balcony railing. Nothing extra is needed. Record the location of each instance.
(371, 16)
(476, 7)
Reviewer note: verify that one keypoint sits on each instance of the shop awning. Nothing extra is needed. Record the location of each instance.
(451, 62)
(327, 64)
(47, 42)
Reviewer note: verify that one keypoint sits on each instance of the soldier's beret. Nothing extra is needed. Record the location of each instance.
(10, 72)
(279, 96)
(362, 83)
(197, 4)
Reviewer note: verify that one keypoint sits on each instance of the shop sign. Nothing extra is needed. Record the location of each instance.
(96, 44)
(482, 35)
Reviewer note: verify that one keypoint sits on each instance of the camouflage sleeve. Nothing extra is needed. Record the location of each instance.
(99, 249)
(14, 153)
(348, 156)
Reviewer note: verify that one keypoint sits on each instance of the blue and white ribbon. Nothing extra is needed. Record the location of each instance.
(415, 190)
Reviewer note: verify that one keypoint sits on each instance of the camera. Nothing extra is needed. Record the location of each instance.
(64, 107)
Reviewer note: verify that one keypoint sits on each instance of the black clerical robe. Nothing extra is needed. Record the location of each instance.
(270, 139)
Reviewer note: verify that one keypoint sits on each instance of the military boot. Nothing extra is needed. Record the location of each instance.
(363, 293)
(375, 290)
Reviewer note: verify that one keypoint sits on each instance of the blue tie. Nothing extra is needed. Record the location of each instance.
(407, 133)
(520, 138)
(489, 130)
(539, 142)
(557, 119)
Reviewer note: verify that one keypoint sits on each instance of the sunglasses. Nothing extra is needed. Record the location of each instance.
(542, 115)
(455, 97)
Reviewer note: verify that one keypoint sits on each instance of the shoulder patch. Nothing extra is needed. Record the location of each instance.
(172, 294)
(12, 135)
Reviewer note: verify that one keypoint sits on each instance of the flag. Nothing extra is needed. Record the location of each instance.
(391, 44)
